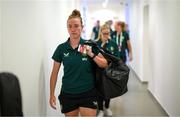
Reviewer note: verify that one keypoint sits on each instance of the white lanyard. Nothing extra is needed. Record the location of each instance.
(119, 43)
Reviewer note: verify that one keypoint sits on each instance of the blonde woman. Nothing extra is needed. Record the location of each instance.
(105, 42)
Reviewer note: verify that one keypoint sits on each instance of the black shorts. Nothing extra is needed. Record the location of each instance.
(70, 102)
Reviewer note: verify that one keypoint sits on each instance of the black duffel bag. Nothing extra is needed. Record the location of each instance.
(112, 81)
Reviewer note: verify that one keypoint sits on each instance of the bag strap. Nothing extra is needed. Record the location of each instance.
(103, 51)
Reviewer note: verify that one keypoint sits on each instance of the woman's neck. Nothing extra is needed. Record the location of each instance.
(104, 42)
(119, 32)
(74, 43)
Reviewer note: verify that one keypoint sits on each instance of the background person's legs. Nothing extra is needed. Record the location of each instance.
(107, 110)
(100, 103)
(100, 107)
(107, 102)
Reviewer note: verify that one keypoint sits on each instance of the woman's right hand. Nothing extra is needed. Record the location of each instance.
(89, 51)
(52, 102)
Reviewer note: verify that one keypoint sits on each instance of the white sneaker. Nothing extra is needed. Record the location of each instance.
(100, 114)
(108, 112)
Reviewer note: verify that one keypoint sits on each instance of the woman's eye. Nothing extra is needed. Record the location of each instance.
(73, 26)
(76, 26)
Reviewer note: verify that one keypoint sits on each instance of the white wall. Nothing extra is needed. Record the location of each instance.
(31, 30)
(162, 60)
(0, 38)
(146, 58)
(23, 50)
(136, 25)
(164, 37)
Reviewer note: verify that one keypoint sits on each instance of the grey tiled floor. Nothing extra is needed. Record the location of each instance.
(137, 101)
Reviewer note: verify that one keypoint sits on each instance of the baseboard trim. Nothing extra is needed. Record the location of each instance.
(149, 92)
(157, 102)
(144, 82)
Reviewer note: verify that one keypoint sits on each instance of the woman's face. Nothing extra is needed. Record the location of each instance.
(74, 28)
(105, 34)
(118, 28)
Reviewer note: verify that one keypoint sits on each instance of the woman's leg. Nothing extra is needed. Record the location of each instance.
(100, 103)
(100, 107)
(87, 112)
(108, 111)
(107, 102)
(73, 113)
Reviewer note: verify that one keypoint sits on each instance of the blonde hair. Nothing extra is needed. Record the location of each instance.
(103, 27)
(75, 14)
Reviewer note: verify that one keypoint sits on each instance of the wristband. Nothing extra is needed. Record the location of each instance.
(94, 56)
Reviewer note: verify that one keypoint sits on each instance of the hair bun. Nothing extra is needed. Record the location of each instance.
(75, 12)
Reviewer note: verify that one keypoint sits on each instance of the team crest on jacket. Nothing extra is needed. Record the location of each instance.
(66, 54)
(84, 59)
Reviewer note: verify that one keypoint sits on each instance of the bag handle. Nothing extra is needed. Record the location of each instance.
(103, 51)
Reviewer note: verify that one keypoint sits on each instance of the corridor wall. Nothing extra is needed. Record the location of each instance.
(136, 29)
(22, 49)
(162, 72)
(164, 38)
(30, 31)
(0, 37)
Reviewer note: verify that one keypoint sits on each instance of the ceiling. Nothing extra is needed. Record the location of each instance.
(90, 2)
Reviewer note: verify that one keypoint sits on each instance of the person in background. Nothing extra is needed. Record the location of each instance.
(109, 23)
(78, 94)
(95, 30)
(121, 38)
(125, 27)
(105, 42)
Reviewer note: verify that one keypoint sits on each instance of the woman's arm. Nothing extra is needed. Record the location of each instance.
(130, 50)
(53, 79)
(99, 59)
